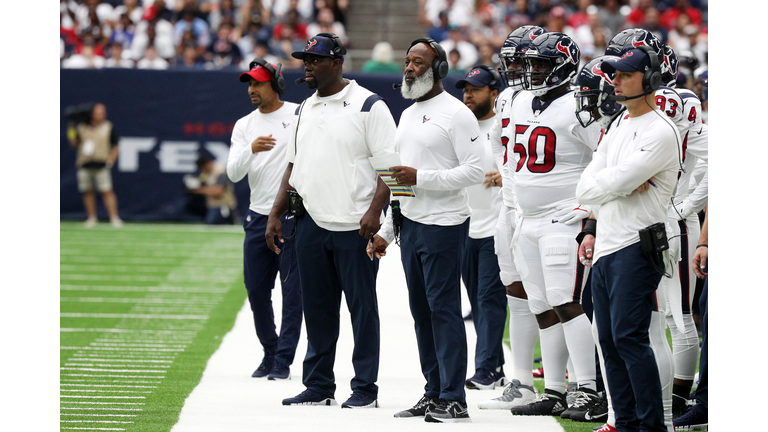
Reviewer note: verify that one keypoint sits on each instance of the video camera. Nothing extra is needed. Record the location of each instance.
(78, 114)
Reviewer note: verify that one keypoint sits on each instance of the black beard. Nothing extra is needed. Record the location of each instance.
(481, 111)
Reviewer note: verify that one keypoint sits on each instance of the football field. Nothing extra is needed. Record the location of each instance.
(142, 309)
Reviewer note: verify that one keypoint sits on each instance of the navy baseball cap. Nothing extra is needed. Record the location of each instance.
(634, 60)
(318, 45)
(478, 77)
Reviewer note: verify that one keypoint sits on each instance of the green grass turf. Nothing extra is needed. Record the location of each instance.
(142, 310)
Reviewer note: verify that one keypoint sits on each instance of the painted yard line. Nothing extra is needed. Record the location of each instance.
(109, 381)
(113, 366)
(177, 341)
(141, 260)
(95, 245)
(191, 333)
(102, 397)
(131, 316)
(103, 403)
(120, 349)
(101, 409)
(118, 253)
(100, 415)
(111, 376)
(150, 289)
(95, 421)
(133, 278)
(149, 345)
(114, 370)
(126, 355)
(104, 391)
(75, 227)
(96, 429)
(121, 360)
(92, 268)
(108, 386)
(145, 300)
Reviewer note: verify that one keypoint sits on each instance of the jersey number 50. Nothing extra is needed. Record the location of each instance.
(541, 138)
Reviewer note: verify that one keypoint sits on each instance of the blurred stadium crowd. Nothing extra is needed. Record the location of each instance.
(221, 34)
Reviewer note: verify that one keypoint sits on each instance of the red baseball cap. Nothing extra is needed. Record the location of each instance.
(259, 73)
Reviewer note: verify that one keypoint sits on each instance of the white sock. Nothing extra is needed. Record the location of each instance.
(685, 347)
(523, 335)
(658, 336)
(554, 357)
(581, 348)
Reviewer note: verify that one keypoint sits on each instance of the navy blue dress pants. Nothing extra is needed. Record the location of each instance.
(431, 257)
(332, 262)
(261, 267)
(488, 298)
(624, 293)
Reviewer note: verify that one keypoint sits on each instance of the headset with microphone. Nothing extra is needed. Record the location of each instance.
(277, 80)
(651, 77)
(440, 64)
(338, 49)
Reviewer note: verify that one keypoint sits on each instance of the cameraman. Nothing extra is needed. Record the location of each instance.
(96, 144)
(630, 183)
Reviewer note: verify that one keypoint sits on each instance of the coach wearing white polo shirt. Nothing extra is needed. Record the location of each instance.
(334, 133)
(438, 139)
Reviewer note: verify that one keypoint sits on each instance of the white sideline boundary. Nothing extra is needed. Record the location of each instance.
(228, 399)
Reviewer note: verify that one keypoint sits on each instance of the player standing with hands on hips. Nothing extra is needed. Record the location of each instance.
(438, 139)
(334, 133)
(629, 183)
(258, 148)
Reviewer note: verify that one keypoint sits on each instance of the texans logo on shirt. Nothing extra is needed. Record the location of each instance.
(285, 125)
(425, 119)
(346, 104)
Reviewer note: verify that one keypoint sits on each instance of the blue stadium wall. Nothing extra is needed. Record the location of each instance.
(165, 119)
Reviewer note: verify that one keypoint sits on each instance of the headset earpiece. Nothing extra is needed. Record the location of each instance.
(652, 77)
(276, 79)
(496, 83)
(440, 65)
(339, 49)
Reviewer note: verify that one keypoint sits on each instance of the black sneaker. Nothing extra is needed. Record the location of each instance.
(360, 400)
(264, 368)
(586, 399)
(486, 380)
(422, 407)
(310, 397)
(693, 420)
(448, 412)
(548, 403)
(279, 372)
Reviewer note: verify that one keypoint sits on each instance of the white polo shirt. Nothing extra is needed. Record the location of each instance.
(264, 169)
(330, 143)
(440, 137)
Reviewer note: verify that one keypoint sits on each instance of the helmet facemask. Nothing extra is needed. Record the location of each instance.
(541, 74)
(511, 67)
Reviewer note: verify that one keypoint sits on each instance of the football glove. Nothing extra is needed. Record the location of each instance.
(570, 216)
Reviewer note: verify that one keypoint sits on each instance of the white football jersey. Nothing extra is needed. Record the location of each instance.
(500, 136)
(550, 152)
(684, 109)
